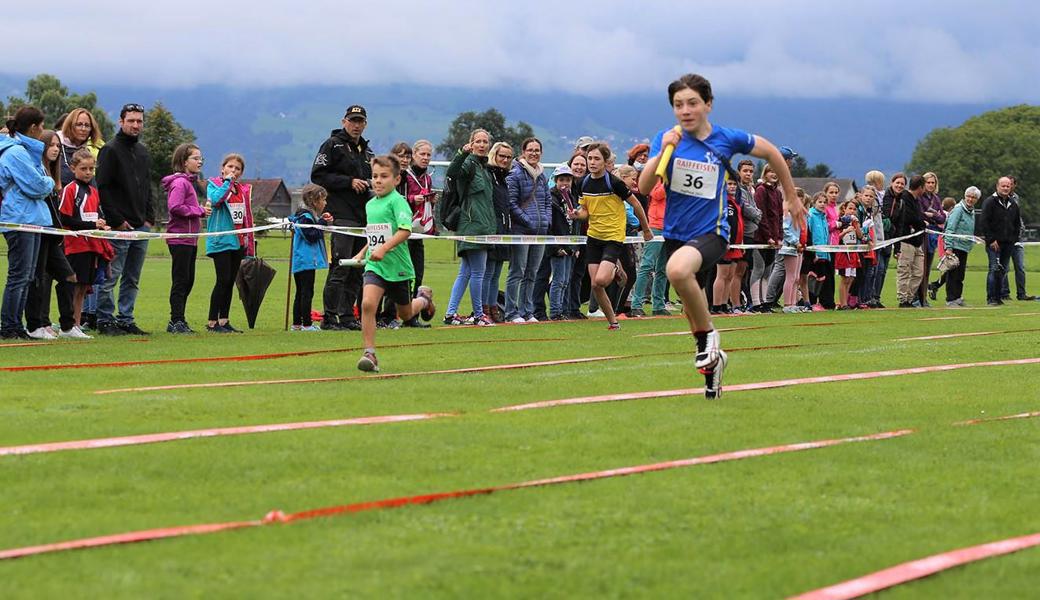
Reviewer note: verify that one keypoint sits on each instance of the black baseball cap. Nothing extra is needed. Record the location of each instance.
(355, 111)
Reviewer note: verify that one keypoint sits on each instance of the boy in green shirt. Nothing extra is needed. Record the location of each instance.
(388, 266)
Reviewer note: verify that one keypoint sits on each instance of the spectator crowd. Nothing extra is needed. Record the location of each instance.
(69, 178)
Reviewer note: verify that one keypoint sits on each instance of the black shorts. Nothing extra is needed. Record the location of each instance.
(399, 292)
(712, 248)
(85, 266)
(597, 251)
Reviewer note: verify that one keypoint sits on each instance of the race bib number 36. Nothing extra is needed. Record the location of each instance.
(693, 178)
(377, 234)
(238, 212)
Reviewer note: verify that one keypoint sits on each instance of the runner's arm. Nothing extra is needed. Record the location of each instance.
(765, 149)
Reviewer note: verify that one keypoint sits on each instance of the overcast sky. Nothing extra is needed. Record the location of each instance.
(945, 51)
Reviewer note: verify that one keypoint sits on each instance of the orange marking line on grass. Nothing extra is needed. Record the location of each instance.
(27, 344)
(507, 367)
(278, 517)
(248, 357)
(1025, 415)
(943, 318)
(916, 569)
(221, 384)
(764, 385)
(946, 336)
(154, 438)
(968, 334)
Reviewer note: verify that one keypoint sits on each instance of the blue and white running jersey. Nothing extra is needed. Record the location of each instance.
(696, 188)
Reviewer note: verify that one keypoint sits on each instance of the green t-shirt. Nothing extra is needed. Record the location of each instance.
(386, 215)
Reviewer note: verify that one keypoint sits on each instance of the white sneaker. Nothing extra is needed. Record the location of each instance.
(41, 333)
(75, 333)
(598, 313)
(706, 359)
(713, 377)
(518, 320)
(531, 319)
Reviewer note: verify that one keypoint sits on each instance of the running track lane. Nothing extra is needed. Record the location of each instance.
(507, 367)
(167, 361)
(277, 516)
(910, 571)
(202, 433)
(764, 385)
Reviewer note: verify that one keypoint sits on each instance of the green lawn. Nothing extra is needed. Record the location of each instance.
(762, 527)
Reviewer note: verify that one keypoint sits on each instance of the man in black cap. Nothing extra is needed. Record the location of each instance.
(343, 167)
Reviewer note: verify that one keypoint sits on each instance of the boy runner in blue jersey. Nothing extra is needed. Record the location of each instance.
(695, 225)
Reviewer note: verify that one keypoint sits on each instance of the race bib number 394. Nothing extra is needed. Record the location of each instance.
(377, 233)
(694, 178)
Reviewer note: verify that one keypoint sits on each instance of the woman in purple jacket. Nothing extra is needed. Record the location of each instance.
(935, 218)
(185, 217)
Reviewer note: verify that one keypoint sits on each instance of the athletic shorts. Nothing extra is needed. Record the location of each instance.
(712, 247)
(399, 292)
(85, 266)
(597, 251)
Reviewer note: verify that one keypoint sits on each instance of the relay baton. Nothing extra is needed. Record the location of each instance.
(666, 155)
(350, 262)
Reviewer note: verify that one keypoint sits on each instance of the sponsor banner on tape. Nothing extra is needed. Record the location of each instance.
(279, 517)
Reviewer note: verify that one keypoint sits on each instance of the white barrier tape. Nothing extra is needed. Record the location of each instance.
(130, 235)
(975, 239)
(579, 240)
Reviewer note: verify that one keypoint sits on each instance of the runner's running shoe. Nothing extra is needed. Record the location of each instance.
(710, 355)
(368, 362)
(713, 377)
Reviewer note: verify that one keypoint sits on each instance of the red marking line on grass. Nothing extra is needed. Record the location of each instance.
(910, 571)
(277, 516)
(153, 438)
(248, 357)
(1025, 415)
(764, 385)
(221, 384)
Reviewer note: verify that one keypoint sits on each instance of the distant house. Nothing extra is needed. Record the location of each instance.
(811, 185)
(272, 195)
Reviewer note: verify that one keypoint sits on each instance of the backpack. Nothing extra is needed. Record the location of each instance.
(449, 208)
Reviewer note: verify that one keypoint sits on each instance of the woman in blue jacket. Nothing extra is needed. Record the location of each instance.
(530, 210)
(25, 187)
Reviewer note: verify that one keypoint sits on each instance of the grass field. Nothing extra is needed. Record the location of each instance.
(763, 527)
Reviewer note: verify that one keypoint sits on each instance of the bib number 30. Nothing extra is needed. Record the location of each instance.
(694, 178)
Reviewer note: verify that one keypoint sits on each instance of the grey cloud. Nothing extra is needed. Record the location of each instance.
(937, 51)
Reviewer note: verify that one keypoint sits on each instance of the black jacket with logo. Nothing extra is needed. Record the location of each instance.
(339, 162)
(123, 182)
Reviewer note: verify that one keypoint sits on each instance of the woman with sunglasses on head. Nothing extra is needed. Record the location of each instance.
(500, 160)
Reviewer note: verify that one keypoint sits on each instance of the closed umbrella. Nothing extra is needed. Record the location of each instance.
(254, 277)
